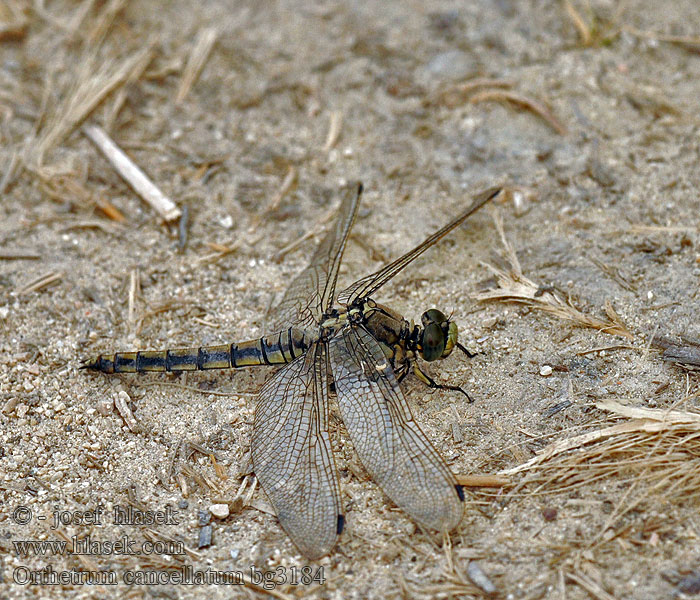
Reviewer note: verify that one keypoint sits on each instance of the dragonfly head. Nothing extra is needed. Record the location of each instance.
(439, 335)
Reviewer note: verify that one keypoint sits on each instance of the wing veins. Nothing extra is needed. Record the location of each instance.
(292, 454)
(389, 442)
(312, 291)
(368, 285)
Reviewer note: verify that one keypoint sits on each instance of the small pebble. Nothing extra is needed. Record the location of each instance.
(104, 406)
(204, 540)
(479, 578)
(549, 513)
(489, 322)
(453, 64)
(220, 511)
(545, 370)
(10, 405)
(519, 204)
(122, 403)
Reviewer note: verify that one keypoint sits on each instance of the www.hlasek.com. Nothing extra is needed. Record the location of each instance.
(185, 575)
(88, 545)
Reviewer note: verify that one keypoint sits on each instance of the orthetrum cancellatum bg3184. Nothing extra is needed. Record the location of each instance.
(360, 350)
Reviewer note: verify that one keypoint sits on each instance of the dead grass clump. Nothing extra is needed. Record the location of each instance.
(655, 451)
(513, 286)
(92, 84)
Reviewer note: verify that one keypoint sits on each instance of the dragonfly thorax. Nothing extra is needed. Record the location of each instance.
(385, 324)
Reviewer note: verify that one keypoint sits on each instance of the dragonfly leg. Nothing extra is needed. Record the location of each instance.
(402, 375)
(463, 349)
(431, 383)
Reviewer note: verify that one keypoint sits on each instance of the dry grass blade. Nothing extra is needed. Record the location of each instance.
(17, 254)
(639, 228)
(10, 171)
(104, 22)
(198, 57)
(40, 282)
(315, 230)
(456, 95)
(334, 128)
(537, 107)
(287, 184)
(202, 479)
(91, 87)
(692, 42)
(583, 30)
(154, 535)
(589, 586)
(613, 273)
(513, 286)
(109, 210)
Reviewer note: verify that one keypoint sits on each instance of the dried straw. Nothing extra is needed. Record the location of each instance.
(513, 286)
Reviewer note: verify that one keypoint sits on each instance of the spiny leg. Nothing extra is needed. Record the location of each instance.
(431, 383)
(463, 349)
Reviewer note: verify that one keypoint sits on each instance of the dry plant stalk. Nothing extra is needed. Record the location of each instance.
(584, 31)
(288, 183)
(490, 481)
(198, 57)
(40, 282)
(691, 42)
(535, 106)
(334, 128)
(104, 22)
(456, 95)
(513, 286)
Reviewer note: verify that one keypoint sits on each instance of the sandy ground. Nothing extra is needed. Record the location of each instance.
(602, 145)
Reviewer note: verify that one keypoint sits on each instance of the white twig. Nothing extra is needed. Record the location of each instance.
(132, 174)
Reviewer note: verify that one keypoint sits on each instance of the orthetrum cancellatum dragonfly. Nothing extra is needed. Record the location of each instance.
(359, 349)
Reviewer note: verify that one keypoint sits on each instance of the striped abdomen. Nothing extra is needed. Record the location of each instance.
(274, 349)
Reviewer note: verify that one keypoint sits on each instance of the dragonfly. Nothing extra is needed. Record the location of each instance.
(359, 351)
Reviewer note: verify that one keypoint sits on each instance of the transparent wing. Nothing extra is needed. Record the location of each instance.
(367, 286)
(313, 290)
(292, 455)
(391, 446)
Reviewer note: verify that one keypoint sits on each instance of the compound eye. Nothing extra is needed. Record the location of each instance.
(433, 316)
(450, 331)
(433, 342)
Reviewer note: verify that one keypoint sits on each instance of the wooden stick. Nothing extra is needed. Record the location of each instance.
(483, 480)
(132, 174)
